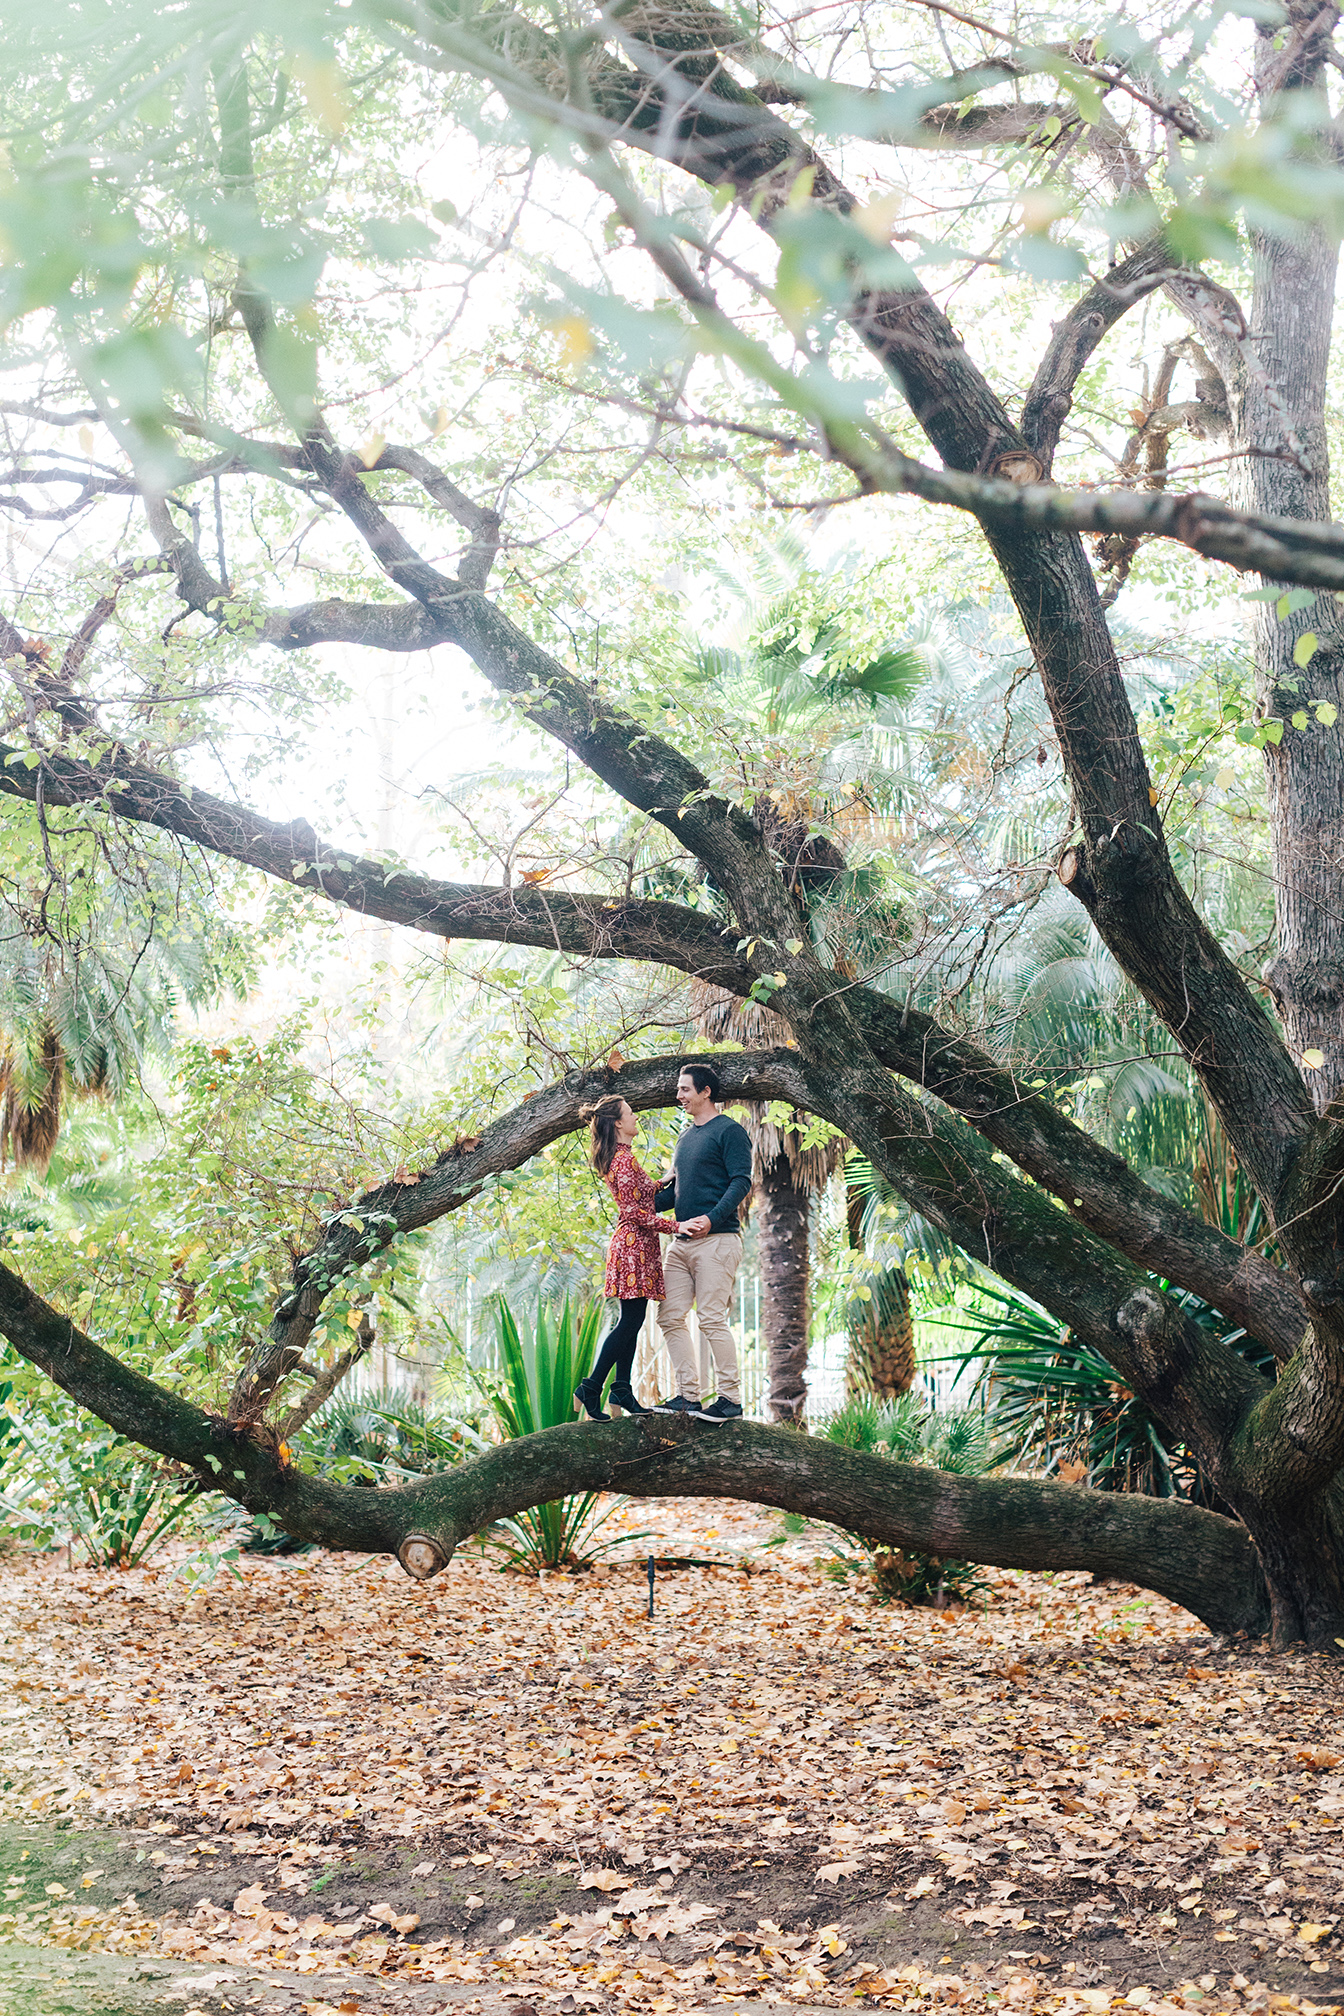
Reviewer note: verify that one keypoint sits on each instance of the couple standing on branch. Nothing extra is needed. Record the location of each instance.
(711, 1175)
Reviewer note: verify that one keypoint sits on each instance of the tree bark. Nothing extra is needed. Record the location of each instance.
(783, 1221)
(1278, 417)
(1194, 1557)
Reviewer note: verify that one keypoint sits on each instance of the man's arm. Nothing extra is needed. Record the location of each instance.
(737, 1165)
(665, 1192)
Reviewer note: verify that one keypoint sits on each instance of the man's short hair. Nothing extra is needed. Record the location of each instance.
(704, 1078)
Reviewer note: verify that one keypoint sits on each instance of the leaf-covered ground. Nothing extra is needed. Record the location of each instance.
(329, 1787)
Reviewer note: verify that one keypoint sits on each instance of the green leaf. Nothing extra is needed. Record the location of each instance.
(1043, 258)
(1301, 718)
(1327, 713)
(399, 238)
(1305, 647)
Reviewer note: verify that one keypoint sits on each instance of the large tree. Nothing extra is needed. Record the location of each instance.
(164, 232)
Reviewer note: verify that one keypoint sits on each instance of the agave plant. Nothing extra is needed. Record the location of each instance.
(540, 1367)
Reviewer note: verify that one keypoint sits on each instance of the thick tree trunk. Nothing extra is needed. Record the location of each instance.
(1278, 418)
(784, 1215)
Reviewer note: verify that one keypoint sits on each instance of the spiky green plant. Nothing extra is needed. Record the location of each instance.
(908, 1430)
(540, 1367)
(1053, 1401)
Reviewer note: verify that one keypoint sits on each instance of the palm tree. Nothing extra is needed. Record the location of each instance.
(788, 1176)
(880, 1326)
(82, 1005)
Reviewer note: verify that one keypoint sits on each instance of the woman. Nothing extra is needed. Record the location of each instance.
(634, 1258)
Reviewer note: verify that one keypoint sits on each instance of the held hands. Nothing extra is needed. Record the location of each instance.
(697, 1228)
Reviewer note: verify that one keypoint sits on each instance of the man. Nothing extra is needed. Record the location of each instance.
(711, 1174)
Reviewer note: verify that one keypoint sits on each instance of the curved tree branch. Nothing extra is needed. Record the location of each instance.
(1193, 1557)
(1097, 1185)
(363, 1229)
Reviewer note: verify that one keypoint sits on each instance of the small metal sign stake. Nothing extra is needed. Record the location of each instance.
(651, 1575)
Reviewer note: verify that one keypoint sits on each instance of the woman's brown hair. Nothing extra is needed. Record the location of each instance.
(602, 1126)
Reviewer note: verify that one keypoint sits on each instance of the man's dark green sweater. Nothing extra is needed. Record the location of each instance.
(711, 1174)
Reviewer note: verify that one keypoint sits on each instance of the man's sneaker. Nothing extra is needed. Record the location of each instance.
(719, 1410)
(676, 1405)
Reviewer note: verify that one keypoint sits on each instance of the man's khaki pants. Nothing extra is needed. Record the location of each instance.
(701, 1271)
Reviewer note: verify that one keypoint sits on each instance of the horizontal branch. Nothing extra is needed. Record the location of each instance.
(1282, 549)
(1190, 1556)
(589, 925)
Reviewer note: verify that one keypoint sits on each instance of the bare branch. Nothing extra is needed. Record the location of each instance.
(1047, 404)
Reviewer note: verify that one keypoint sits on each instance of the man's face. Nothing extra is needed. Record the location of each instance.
(687, 1092)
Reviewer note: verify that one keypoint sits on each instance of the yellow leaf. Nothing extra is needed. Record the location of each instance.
(1305, 648)
(1152, 795)
(794, 945)
(440, 421)
(86, 439)
(372, 449)
(1226, 777)
(1327, 713)
(324, 88)
(1310, 1934)
(877, 218)
(780, 979)
(800, 195)
(1313, 1059)
(1040, 208)
(576, 341)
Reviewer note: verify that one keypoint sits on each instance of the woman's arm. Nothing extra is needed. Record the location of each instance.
(630, 1187)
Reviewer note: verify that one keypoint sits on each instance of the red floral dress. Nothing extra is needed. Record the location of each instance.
(634, 1258)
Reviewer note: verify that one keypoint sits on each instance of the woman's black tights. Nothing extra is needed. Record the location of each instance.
(618, 1347)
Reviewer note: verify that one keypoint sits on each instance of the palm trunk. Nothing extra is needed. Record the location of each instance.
(784, 1222)
(881, 1329)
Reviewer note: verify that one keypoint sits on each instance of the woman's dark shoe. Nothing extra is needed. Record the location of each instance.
(589, 1396)
(622, 1395)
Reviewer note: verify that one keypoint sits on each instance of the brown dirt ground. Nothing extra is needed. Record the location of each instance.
(773, 1792)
